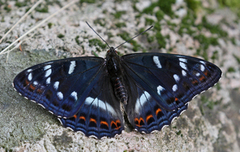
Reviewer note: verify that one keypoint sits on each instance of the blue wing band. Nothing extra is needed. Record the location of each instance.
(100, 113)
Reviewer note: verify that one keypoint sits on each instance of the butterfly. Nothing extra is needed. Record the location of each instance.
(94, 95)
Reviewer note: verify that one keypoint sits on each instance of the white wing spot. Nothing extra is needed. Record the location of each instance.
(176, 77)
(48, 72)
(60, 95)
(174, 88)
(30, 76)
(35, 83)
(157, 62)
(183, 60)
(47, 67)
(29, 70)
(198, 74)
(74, 95)
(203, 62)
(72, 67)
(159, 89)
(182, 63)
(48, 81)
(56, 85)
(99, 103)
(141, 101)
(184, 73)
(202, 67)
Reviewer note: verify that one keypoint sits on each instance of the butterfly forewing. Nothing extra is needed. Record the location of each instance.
(171, 80)
(60, 86)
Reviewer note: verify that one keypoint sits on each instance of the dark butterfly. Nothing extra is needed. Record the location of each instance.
(89, 94)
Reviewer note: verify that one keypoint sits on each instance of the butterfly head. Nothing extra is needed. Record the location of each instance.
(112, 52)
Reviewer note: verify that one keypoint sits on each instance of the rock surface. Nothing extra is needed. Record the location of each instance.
(212, 120)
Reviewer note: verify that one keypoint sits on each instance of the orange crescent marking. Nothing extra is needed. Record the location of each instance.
(75, 116)
(112, 122)
(201, 78)
(206, 73)
(39, 91)
(158, 110)
(194, 81)
(176, 99)
(118, 121)
(149, 116)
(93, 120)
(82, 117)
(139, 121)
(115, 123)
(27, 82)
(118, 127)
(32, 87)
(104, 122)
(138, 125)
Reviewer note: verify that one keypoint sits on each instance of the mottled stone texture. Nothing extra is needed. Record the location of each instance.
(210, 124)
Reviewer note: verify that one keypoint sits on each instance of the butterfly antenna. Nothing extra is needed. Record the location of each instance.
(134, 37)
(97, 34)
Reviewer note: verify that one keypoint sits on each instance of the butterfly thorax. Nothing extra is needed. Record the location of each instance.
(113, 63)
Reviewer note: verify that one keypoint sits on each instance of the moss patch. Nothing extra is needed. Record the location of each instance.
(97, 42)
(60, 36)
(163, 5)
(215, 29)
(237, 58)
(50, 25)
(42, 9)
(193, 4)
(120, 24)
(125, 36)
(232, 4)
(76, 40)
(88, 1)
(118, 14)
(209, 103)
(100, 21)
(20, 4)
(205, 43)
(231, 69)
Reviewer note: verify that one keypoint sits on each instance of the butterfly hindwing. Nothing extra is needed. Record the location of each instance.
(171, 80)
(100, 113)
(60, 86)
(146, 115)
(144, 112)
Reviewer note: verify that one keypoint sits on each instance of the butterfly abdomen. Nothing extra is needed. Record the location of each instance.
(120, 91)
(113, 64)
